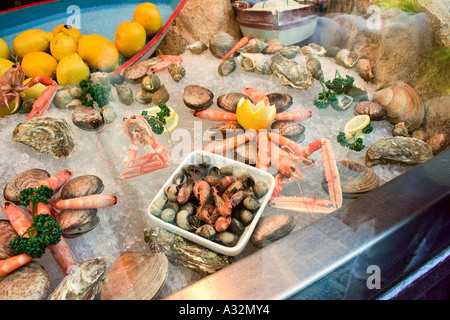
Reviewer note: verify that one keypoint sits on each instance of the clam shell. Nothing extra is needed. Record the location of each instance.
(82, 186)
(356, 179)
(229, 101)
(7, 233)
(374, 110)
(221, 43)
(399, 150)
(274, 45)
(161, 95)
(197, 97)
(87, 118)
(24, 180)
(290, 129)
(282, 101)
(76, 222)
(271, 228)
(227, 67)
(135, 74)
(29, 282)
(135, 276)
(402, 104)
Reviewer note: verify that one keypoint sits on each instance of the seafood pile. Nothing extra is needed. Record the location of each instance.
(215, 202)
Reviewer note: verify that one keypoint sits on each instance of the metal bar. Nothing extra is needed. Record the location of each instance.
(396, 212)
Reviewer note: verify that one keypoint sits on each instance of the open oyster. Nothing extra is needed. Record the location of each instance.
(291, 73)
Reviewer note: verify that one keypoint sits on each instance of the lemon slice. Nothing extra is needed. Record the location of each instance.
(171, 121)
(256, 117)
(355, 125)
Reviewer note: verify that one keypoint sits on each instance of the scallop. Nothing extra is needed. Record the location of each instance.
(76, 222)
(229, 101)
(24, 180)
(197, 97)
(82, 186)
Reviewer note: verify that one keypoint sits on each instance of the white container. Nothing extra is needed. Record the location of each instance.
(218, 161)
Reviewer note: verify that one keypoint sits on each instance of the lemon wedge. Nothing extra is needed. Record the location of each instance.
(256, 117)
(171, 121)
(355, 125)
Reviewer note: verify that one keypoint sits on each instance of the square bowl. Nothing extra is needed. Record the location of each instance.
(218, 161)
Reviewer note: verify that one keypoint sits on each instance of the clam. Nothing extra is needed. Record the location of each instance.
(314, 66)
(229, 101)
(125, 94)
(76, 222)
(402, 104)
(108, 114)
(398, 150)
(87, 118)
(221, 43)
(150, 83)
(274, 45)
(84, 282)
(356, 179)
(420, 134)
(346, 58)
(24, 180)
(197, 97)
(291, 73)
(161, 95)
(271, 228)
(82, 186)
(313, 50)
(46, 135)
(29, 282)
(197, 47)
(7, 233)
(290, 52)
(135, 74)
(135, 276)
(290, 129)
(227, 67)
(438, 142)
(255, 62)
(144, 97)
(374, 110)
(254, 45)
(282, 101)
(177, 71)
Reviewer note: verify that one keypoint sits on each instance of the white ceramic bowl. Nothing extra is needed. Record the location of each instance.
(218, 161)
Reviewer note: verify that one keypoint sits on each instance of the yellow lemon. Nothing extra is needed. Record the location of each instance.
(5, 52)
(355, 125)
(5, 111)
(39, 64)
(33, 92)
(63, 45)
(98, 52)
(30, 41)
(68, 29)
(171, 121)
(147, 14)
(256, 117)
(5, 65)
(130, 38)
(71, 70)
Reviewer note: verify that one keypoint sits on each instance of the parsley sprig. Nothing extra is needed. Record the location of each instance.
(157, 123)
(95, 92)
(354, 143)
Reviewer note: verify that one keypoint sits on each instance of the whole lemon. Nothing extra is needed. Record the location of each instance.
(130, 38)
(32, 92)
(70, 30)
(30, 41)
(63, 45)
(5, 64)
(39, 64)
(5, 52)
(98, 52)
(71, 70)
(4, 111)
(147, 14)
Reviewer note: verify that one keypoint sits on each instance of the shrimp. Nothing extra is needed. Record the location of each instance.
(215, 115)
(57, 181)
(9, 265)
(236, 47)
(18, 219)
(87, 202)
(223, 146)
(256, 96)
(164, 64)
(299, 115)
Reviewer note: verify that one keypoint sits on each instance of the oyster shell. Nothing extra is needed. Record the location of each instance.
(7, 233)
(24, 180)
(229, 101)
(356, 179)
(291, 73)
(400, 150)
(183, 252)
(177, 71)
(197, 47)
(221, 43)
(84, 282)
(197, 97)
(76, 222)
(135, 276)
(255, 62)
(271, 228)
(346, 58)
(282, 101)
(46, 135)
(29, 282)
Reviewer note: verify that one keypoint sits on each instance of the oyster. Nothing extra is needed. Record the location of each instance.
(29, 282)
(183, 252)
(177, 71)
(7, 233)
(271, 228)
(229, 101)
(135, 276)
(254, 45)
(197, 47)
(46, 135)
(399, 150)
(291, 73)
(24, 180)
(290, 52)
(76, 222)
(221, 43)
(255, 62)
(197, 97)
(84, 282)
(282, 101)
(227, 67)
(346, 58)
(356, 179)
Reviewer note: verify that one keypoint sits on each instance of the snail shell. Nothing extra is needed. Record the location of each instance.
(177, 71)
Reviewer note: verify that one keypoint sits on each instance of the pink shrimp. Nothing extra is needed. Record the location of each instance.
(87, 202)
(256, 96)
(298, 115)
(223, 146)
(18, 219)
(236, 47)
(215, 115)
(57, 181)
(164, 64)
(9, 265)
